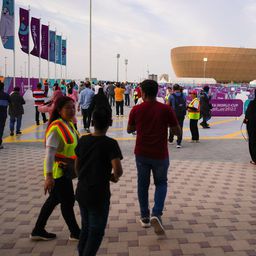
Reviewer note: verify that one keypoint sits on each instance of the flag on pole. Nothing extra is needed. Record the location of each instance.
(7, 24)
(64, 53)
(45, 42)
(52, 46)
(35, 32)
(58, 49)
(24, 30)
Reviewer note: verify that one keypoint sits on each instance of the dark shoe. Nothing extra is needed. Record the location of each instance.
(252, 162)
(42, 236)
(45, 121)
(156, 223)
(145, 222)
(19, 132)
(73, 237)
(38, 123)
(11, 133)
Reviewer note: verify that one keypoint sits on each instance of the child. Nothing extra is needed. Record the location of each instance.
(97, 155)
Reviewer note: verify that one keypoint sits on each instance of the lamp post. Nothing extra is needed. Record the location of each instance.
(205, 60)
(126, 63)
(5, 67)
(90, 43)
(117, 67)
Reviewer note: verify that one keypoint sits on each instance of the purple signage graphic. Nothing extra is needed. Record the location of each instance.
(220, 96)
(35, 32)
(227, 107)
(45, 42)
(24, 30)
(22, 83)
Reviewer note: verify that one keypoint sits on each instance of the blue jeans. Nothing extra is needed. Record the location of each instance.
(159, 169)
(94, 220)
(13, 119)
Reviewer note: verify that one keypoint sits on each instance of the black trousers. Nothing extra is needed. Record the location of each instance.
(37, 115)
(127, 99)
(194, 129)
(63, 194)
(251, 130)
(111, 99)
(179, 138)
(87, 115)
(119, 107)
(2, 125)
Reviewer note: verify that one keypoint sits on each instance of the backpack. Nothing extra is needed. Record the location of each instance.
(180, 105)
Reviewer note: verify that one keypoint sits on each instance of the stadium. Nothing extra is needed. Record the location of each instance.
(224, 64)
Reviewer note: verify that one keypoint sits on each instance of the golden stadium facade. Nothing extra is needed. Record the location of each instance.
(224, 64)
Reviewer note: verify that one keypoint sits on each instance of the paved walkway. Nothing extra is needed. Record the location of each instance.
(210, 207)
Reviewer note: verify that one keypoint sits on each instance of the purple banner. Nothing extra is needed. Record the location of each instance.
(220, 96)
(227, 107)
(64, 52)
(35, 32)
(24, 30)
(45, 42)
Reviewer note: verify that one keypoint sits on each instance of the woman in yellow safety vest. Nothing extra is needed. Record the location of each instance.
(194, 115)
(60, 139)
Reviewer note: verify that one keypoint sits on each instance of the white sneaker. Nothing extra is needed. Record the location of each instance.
(156, 223)
(178, 146)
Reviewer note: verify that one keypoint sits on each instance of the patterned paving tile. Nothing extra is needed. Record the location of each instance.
(210, 210)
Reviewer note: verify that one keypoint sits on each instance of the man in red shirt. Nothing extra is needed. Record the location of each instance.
(151, 120)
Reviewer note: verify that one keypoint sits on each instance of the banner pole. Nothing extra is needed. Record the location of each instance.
(14, 61)
(48, 53)
(61, 58)
(55, 54)
(29, 51)
(39, 72)
(66, 59)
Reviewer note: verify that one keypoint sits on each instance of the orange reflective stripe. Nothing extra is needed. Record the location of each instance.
(65, 132)
(63, 156)
(67, 136)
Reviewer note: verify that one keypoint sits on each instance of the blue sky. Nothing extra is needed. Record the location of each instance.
(142, 31)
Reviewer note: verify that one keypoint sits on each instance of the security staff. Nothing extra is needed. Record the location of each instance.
(4, 102)
(194, 115)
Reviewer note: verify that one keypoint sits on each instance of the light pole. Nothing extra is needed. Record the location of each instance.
(117, 67)
(205, 60)
(90, 43)
(126, 63)
(5, 67)
(25, 69)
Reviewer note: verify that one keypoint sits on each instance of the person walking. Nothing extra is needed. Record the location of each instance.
(100, 100)
(16, 110)
(61, 140)
(46, 88)
(194, 115)
(39, 97)
(111, 94)
(205, 107)
(97, 156)
(4, 102)
(119, 98)
(250, 120)
(177, 101)
(127, 93)
(84, 102)
(151, 120)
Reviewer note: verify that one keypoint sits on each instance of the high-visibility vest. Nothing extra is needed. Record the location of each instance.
(69, 139)
(194, 114)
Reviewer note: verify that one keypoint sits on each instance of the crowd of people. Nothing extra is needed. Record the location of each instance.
(68, 155)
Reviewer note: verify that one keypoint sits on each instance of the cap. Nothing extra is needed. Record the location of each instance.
(193, 92)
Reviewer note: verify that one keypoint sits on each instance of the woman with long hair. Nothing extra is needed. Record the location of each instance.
(60, 140)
